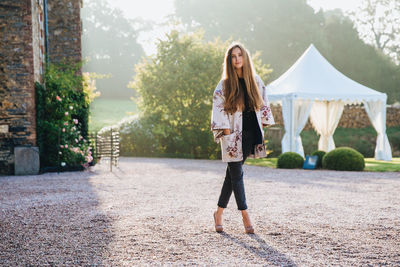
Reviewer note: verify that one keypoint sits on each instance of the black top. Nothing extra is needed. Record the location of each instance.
(250, 123)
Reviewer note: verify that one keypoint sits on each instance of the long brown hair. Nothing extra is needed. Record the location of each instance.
(234, 96)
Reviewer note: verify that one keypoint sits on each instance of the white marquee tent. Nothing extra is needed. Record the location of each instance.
(313, 88)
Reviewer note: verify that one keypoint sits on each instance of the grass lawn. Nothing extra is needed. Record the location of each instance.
(105, 112)
(371, 164)
(382, 166)
(264, 162)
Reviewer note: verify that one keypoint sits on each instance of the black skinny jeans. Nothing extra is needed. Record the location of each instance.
(234, 175)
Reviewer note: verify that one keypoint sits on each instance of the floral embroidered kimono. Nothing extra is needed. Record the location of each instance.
(231, 144)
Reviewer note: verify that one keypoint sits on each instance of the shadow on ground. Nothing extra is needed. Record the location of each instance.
(51, 219)
(265, 252)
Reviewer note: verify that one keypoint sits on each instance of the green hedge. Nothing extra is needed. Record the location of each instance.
(343, 159)
(290, 160)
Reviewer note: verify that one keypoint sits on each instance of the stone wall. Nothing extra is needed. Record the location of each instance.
(21, 64)
(354, 116)
(38, 36)
(17, 94)
(64, 30)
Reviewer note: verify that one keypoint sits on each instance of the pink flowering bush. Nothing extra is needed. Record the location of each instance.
(62, 118)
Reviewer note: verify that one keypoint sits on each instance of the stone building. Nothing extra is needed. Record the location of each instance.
(23, 47)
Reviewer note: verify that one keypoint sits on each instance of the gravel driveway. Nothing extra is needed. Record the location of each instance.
(159, 212)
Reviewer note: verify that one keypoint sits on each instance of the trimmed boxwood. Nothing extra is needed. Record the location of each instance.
(343, 159)
(290, 160)
(320, 155)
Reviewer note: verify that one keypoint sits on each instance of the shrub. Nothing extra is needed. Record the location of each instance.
(139, 137)
(62, 118)
(136, 137)
(343, 159)
(320, 155)
(290, 160)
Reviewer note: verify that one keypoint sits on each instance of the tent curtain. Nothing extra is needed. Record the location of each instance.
(325, 116)
(286, 116)
(295, 113)
(376, 111)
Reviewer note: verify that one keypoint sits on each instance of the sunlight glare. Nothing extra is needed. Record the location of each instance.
(345, 5)
(154, 10)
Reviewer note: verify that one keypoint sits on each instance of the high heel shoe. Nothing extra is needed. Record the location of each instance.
(248, 229)
(218, 228)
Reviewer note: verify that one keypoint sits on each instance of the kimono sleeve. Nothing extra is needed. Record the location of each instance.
(266, 114)
(219, 118)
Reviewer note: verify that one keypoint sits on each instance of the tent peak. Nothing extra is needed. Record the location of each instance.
(313, 76)
(310, 47)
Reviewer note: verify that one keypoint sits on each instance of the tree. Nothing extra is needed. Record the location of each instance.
(281, 30)
(110, 44)
(378, 23)
(359, 61)
(176, 87)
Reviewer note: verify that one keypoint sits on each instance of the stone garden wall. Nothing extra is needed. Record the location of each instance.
(22, 52)
(65, 30)
(17, 94)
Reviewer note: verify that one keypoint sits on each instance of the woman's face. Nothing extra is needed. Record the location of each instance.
(237, 59)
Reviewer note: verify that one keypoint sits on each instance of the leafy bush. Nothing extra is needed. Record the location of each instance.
(136, 137)
(320, 155)
(175, 89)
(62, 118)
(343, 159)
(290, 160)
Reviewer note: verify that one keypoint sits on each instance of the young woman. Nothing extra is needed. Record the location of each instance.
(240, 111)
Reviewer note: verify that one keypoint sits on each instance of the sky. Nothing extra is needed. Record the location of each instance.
(158, 10)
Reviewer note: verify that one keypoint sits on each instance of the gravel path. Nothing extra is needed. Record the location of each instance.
(159, 212)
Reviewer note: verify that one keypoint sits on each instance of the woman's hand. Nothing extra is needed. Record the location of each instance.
(227, 131)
